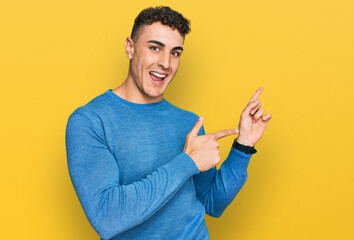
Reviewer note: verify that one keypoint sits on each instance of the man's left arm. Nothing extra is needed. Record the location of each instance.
(216, 189)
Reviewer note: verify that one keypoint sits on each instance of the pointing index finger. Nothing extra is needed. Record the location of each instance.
(223, 133)
(256, 94)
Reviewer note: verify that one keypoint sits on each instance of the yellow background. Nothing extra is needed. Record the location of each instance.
(57, 55)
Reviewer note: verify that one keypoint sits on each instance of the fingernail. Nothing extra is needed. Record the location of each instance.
(236, 131)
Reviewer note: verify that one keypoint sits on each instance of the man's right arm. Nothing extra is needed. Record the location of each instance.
(112, 208)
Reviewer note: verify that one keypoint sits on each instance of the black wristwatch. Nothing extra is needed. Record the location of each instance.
(243, 148)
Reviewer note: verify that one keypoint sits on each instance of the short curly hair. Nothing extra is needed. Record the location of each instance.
(162, 14)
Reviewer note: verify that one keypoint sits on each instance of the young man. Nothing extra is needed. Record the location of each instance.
(143, 168)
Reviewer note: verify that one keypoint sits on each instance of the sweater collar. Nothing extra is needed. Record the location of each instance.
(135, 105)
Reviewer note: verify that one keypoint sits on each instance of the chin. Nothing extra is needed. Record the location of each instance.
(154, 96)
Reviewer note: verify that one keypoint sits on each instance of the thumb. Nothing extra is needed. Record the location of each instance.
(197, 126)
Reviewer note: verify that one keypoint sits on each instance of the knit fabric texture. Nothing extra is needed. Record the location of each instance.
(132, 178)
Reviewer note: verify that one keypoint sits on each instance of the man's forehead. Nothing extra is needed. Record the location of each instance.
(160, 32)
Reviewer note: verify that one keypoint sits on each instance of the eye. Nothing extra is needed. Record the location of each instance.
(176, 54)
(155, 48)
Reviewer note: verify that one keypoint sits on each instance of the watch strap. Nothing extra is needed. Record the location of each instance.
(243, 148)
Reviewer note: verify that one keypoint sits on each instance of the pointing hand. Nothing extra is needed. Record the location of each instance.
(252, 124)
(204, 149)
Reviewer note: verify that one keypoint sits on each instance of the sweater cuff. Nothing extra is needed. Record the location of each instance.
(183, 166)
(240, 160)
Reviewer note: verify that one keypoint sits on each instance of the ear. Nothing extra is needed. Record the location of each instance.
(129, 47)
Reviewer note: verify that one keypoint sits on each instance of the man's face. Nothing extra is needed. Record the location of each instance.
(155, 58)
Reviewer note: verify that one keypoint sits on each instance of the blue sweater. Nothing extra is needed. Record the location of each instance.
(132, 178)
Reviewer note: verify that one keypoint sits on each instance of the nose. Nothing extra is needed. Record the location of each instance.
(164, 60)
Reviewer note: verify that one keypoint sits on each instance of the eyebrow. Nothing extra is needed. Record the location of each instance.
(163, 45)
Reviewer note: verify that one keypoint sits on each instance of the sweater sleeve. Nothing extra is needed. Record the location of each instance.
(112, 208)
(216, 189)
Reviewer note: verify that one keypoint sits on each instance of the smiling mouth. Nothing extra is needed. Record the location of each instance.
(157, 78)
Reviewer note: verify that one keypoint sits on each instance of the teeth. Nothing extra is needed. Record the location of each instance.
(158, 75)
